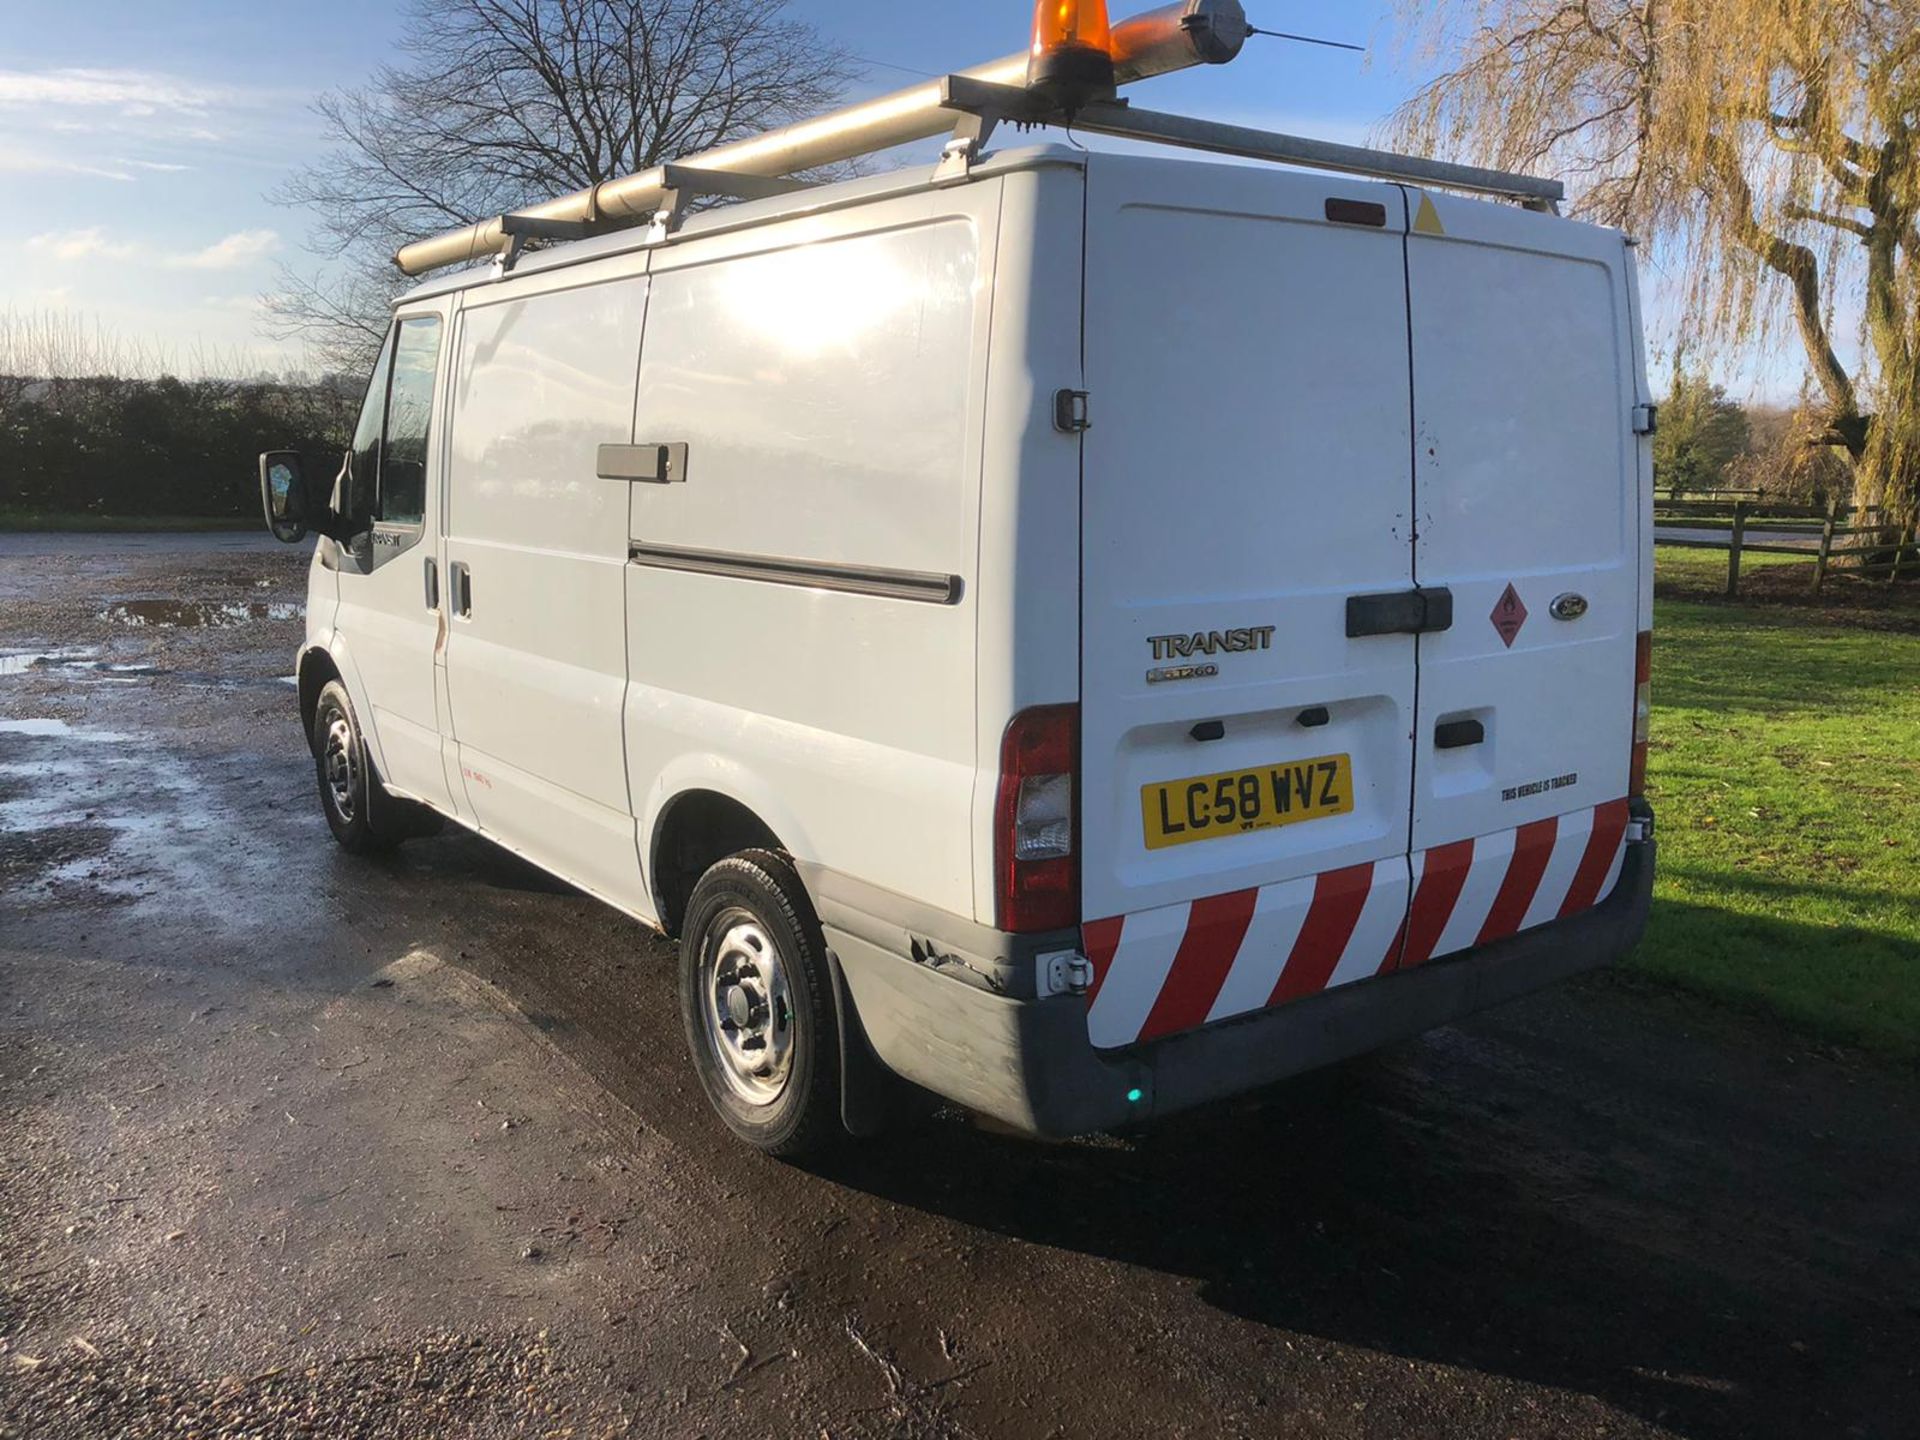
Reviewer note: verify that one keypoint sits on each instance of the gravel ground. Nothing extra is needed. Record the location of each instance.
(301, 1145)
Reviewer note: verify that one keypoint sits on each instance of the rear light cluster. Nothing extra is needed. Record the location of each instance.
(1035, 822)
(1642, 713)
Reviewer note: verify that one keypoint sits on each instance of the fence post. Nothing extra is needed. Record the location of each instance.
(1826, 544)
(1733, 550)
(1900, 555)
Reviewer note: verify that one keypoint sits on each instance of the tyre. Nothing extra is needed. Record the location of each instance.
(756, 999)
(348, 787)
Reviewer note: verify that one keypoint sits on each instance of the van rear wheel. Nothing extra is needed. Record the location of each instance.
(756, 1000)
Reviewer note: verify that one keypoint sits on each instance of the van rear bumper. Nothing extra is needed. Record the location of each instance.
(1029, 1063)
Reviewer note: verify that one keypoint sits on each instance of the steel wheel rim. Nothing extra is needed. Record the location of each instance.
(747, 1007)
(337, 764)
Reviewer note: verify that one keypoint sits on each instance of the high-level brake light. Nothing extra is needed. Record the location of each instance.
(1072, 59)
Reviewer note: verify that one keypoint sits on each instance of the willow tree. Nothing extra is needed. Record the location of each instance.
(1768, 149)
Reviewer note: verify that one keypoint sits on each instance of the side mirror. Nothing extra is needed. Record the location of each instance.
(283, 496)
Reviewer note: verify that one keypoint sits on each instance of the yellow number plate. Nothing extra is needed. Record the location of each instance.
(1179, 812)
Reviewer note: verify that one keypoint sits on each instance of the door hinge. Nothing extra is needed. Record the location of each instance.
(1064, 972)
(1071, 415)
(1646, 419)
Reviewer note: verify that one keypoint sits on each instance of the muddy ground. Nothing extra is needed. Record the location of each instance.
(295, 1144)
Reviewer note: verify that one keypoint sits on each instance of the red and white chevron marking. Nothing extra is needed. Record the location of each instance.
(1158, 972)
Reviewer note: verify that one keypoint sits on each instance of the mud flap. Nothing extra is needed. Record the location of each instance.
(872, 1098)
(396, 818)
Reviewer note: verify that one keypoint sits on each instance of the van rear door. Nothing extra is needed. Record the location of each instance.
(1246, 769)
(1525, 378)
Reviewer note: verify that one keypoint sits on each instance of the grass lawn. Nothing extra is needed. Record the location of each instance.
(1684, 571)
(14, 518)
(1786, 773)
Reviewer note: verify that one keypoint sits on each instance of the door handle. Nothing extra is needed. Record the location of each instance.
(648, 464)
(1402, 612)
(460, 581)
(1459, 734)
(433, 583)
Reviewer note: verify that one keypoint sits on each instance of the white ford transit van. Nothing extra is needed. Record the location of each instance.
(1098, 636)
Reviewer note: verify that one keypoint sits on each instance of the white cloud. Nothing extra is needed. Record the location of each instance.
(238, 249)
(17, 161)
(126, 92)
(233, 252)
(90, 243)
(250, 305)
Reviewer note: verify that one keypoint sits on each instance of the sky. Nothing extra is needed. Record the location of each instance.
(140, 139)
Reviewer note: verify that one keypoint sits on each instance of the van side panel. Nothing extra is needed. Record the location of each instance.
(801, 609)
(1028, 594)
(537, 673)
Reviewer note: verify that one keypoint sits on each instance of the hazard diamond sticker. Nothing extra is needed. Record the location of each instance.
(1509, 615)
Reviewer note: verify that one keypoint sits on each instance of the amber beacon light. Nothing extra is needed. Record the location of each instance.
(1072, 60)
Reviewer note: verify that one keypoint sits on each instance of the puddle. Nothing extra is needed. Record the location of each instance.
(87, 822)
(41, 786)
(53, 854)
(60, 730)
(20, 662)
(45, 729)
(92, 820)
(84, 665)
(199, 614)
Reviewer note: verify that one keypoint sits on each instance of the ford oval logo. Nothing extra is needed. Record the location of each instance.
(1568, 607)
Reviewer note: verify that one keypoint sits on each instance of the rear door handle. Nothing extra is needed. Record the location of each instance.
(1402, 612)
(1459, 734)
(460, 581)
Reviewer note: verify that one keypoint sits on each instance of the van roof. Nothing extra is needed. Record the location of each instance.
(911, 179)
(813, 200)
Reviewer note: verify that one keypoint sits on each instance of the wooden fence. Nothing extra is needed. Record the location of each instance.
(1747, 514)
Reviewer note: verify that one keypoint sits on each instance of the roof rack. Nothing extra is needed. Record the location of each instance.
(682, 186)
(984, 105)
(1172, 37)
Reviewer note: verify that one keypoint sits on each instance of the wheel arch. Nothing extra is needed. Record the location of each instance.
(692, 830)
(333, 660)
(315, 670)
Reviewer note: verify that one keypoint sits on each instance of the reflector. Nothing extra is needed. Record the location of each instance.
(1072, 59)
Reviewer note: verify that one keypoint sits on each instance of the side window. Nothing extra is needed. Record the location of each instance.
(363, 461)
(403, 462)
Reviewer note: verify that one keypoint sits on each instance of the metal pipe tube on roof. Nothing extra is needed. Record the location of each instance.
(1158, 42)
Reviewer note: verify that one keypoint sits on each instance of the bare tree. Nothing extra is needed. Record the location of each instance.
(1770, 147)
(502, 103)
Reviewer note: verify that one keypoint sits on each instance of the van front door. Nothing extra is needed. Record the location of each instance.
(1247, 673)
(389, 611)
